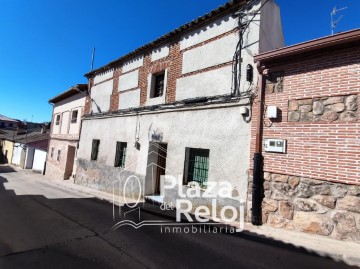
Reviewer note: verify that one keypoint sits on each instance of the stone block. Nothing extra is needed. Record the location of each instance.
(321, 189)
(278, 221)
(310, 181)
(349, 203)
(286, 209)
(308, 117)
(267, 176)
(339, 191)
(308, 205)
(270, 205)
(329, 116)
(305, 102)
(351, 103)
(293, 116)
(305, 108)
(339, 107)
(354, 191)
(294, 182)
(348, 116)
(303, 191)
(318, 108)
(293, 105)
(325, 200)
(280, 178)
(314, 223)
(276, 195)
(345, 226)
(267, 194)
(333, 100)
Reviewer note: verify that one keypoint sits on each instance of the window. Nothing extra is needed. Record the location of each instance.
(57, 122)
(2, 124)
(158, 85)
(52, 152)
(58, 155)
(120, 154)
(74, 116)
(95, 149)
(196, 166)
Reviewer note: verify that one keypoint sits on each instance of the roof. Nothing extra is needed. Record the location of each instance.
(224, 9)
(309, 46)
(70, 92)
(32, 135)
(4, 118)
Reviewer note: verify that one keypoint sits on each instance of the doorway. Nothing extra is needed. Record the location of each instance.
(69, 162)
(156, 167)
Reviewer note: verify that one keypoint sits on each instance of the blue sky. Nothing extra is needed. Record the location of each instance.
(45, 45)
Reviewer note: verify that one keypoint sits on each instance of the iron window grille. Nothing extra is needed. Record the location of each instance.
(197, 166)
(120, 154)
(74, 116)
(58, 155)
(95, 149)
(52, 152)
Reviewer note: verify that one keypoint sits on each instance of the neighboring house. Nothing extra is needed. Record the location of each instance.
(6, 145)
(312, 101)
(8, 123)
(179, 105)
(68, 107)
(25, 148)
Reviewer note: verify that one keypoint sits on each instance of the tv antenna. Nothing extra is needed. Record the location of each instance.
(335, 22)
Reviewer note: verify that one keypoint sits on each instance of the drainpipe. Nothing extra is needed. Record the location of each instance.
(257, 187)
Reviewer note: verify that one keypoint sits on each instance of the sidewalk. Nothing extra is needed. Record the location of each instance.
(347, 252)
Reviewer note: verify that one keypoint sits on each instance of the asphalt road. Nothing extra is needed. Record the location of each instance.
(42, 226)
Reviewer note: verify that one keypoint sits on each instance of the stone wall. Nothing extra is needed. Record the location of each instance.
(311, 206)
(105, 178)
(335, 108)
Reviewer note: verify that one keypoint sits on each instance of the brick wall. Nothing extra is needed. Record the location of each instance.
(319, 147)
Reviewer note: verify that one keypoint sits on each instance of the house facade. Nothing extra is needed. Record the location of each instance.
(68, 108)
(179, 106)
(310, 137)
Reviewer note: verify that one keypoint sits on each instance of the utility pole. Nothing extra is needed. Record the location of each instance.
(92, 59)
(332, 14)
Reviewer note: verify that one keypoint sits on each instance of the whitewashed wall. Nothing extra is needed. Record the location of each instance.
(133, 64)
(129, 99)
(220, 26)
(211, 54)
(101, 95)
(103, 76)
(17, 154)
(39, 160)
(226, 136)
(66, 107)
(215, 82)
(129, 80)
(160, 53)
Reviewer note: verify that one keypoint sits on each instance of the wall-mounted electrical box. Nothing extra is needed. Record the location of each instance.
(275, 145)
(272, 112)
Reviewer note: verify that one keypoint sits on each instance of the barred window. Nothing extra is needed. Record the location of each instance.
(158, 81)
(52, 152)
(120, 154)
(58, 155)
(196, 166)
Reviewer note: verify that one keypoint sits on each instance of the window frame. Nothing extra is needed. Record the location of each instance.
(58, 155)
(197, 163)
(57, 119)
(95, 149)
(74, 119)
(153, 91)
(120, 154)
